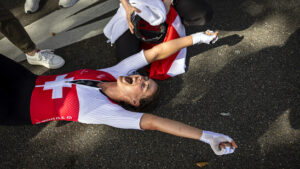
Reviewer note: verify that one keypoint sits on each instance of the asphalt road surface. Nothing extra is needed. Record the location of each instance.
(252, 73)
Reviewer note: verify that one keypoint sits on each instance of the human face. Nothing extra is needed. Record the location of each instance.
(136, 87)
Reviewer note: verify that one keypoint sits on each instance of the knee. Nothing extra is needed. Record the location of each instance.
(148, 122)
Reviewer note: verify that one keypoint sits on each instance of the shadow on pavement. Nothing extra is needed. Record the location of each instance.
(258, 91)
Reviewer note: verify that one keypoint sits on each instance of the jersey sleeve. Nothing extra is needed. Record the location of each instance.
(115, 116)
(128, 66)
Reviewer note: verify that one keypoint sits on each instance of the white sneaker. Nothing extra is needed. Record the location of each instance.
(46, 58)
(31, 6)
(66, 3)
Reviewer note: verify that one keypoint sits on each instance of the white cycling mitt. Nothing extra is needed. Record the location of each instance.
(204, 37)
(215, 139)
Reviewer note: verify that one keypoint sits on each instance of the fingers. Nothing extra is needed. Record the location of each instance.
(129, 14)
(137, 10)
(209, 32)
(212, 34)
(229, 150)
(216, 33)
(227, 147)
(131, 27)
(233, 144)
(224, 145)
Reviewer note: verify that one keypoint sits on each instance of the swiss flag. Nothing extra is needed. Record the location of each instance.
(174, 64)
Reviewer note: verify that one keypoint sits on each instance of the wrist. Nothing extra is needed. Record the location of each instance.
(207, 136)
(204, 137)
(196, 37)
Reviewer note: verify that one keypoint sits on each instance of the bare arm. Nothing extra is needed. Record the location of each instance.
(220, 143)
(152, 122)
(166, 49)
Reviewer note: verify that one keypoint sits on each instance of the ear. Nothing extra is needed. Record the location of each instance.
(135, 102)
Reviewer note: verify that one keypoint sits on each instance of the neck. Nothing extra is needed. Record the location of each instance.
(111, 90)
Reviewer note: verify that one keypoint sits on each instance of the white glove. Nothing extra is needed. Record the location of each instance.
(204, 37)
(215, 139)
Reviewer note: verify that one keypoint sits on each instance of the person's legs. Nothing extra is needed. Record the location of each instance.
(127, 45)
(32, 6)
(16, 85)
(14, 31)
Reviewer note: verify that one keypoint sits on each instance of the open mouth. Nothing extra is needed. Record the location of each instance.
(128, 80)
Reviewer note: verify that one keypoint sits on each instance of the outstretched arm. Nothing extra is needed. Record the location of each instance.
(221, 144)
(166, 49)
(160, 52)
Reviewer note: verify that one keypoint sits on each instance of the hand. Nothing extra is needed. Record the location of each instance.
(130, 10)
(205, 37)
(220, 143)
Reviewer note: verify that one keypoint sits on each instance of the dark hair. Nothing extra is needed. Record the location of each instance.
(147, 104)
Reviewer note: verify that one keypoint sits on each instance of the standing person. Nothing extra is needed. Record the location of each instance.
(94, 96)
(161, 21)
(12, 29)
(32, 6)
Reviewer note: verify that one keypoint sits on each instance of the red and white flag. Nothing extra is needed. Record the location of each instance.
(174, 64)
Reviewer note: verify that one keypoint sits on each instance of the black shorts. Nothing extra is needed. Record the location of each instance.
(17, 84)
(126, 45)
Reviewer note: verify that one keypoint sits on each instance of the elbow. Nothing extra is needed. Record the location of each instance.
(148, 122)
(157, 50)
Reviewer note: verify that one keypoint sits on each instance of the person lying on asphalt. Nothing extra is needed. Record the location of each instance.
(97, 96)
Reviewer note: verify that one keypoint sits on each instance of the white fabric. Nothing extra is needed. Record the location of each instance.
(152, 11)
(178, 65)
(201, 37)
(128, 66)
(96, 108)
(214, 140)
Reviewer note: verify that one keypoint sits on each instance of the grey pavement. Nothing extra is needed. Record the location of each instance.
(252, 72)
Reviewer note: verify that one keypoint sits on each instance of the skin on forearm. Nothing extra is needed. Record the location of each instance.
(125, 3)
(152, 122)
(166, 49)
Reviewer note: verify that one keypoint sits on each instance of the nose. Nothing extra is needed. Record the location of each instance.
(138, 79)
